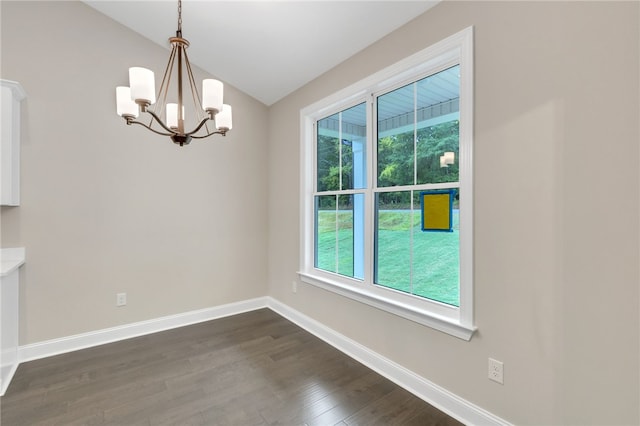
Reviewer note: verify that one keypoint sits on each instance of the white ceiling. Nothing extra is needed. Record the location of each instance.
(265, 48)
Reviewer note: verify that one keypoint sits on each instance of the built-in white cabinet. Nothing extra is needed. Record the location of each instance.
(12, 95)
(11, 259)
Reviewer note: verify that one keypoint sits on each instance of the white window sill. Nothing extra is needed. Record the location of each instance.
(429, 319)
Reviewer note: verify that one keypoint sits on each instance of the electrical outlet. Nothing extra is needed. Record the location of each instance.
(294, 286)
(121, 299)
(496, 371)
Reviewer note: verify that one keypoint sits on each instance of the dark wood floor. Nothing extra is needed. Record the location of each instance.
(250, 369)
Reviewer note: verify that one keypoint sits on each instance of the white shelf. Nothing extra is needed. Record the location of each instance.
(11, 259)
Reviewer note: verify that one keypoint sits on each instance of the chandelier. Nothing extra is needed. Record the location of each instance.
(140, 97)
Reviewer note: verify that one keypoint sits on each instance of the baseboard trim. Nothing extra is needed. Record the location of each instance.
(108, 335)
(435, 395)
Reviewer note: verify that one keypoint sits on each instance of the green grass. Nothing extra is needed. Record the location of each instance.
(435, 273)
(327, 232)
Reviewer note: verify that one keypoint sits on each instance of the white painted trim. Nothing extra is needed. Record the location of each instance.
(108, 335)
(16, 88)
(428, 318)
(12, 96)
(11, 259)
(4, 385)
(442, 399)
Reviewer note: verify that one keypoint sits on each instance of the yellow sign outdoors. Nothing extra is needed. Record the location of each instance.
(437, 210)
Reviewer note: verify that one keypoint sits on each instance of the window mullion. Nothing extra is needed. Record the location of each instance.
(337, 226)
(340, 151)
(415, 133)
(415, 182)
(337, 239)
(372, 128)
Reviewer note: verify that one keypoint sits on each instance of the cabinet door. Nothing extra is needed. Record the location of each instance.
(12, 95)
(8, 328)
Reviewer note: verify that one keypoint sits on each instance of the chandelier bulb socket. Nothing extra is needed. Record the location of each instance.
(144, 104)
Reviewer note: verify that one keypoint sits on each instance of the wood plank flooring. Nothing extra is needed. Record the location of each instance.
(255, 368)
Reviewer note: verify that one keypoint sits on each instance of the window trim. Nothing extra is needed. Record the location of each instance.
(456, 321)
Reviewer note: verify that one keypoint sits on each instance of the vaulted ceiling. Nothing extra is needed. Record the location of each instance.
(267, 49)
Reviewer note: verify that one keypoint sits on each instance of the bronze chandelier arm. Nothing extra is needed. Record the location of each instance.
(173, 133)
(164, 126)
(219, 132)
(197, 129)
(131, 121)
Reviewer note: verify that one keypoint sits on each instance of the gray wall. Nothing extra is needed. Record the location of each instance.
(110, 208)
(556, 219)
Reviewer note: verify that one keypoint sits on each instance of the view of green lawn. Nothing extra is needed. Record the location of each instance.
(401, 244)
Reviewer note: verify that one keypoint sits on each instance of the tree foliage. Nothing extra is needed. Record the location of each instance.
(396, 156)
(396, 161)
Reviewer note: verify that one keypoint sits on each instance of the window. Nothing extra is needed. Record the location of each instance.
(379, 160)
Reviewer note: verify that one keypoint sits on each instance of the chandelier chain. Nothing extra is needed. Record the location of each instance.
(180, 16)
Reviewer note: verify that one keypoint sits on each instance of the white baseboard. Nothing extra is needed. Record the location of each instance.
(99, 337)
(435, 395)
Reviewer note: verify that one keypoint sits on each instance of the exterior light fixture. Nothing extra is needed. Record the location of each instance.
(140, 96)
(447, 158)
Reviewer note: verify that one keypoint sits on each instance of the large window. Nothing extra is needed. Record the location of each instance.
(374, 158)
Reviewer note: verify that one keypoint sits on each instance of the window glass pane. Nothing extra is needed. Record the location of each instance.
(341, 150)
(344, 224)
(436, 259)
(340, 234)
(422, 263)
(328, 155)
(396, 125)
(358, 235)
(392, 240)
(354, 141)
(326, 233)
(438, 153)
(438, 112)
(424, 116)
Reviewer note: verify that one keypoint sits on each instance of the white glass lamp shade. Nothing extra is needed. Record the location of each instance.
(212, 93)
(143, 86)
(449, 157)
(223, 119)
(172, 115)
(125, 107)
(443, 161)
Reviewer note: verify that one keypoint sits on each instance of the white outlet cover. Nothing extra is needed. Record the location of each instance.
(496, 371)
(121, 299)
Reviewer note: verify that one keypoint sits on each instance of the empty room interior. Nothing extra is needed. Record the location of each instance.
(422, 212)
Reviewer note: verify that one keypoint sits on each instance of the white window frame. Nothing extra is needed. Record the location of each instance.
(456, 321)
